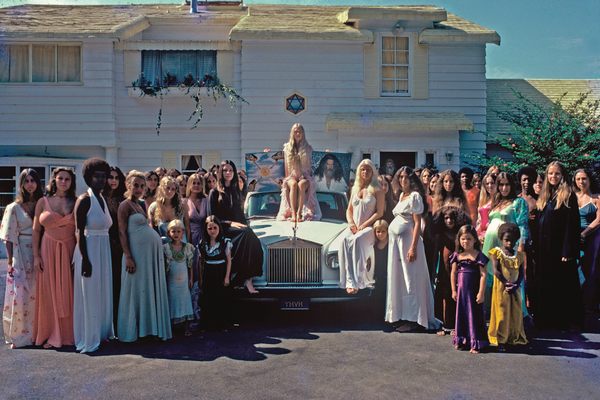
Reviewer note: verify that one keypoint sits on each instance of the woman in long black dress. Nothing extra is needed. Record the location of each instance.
(559, 303)
(115, 194)
(225, 202)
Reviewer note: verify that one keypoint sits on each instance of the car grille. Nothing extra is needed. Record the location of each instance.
(294, 262)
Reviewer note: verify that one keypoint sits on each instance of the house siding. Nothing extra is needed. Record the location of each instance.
(58, 114)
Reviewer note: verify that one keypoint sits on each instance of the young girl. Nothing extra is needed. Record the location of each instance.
(179, 258)
(215, 254)
(506, 317)
(468, 290)
(380, 227)
(446, 223)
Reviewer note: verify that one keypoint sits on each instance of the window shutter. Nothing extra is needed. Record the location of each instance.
(211, 158)
(169, 160)
(133, 66)
(372, 68)
(420, 69)
(225, 66)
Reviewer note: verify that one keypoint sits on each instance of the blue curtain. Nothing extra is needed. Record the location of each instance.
(157, 63)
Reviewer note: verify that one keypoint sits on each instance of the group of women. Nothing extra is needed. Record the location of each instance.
(401, 236)
(84, 270)
(557, 224)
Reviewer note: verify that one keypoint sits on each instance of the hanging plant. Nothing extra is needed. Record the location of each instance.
(192, 86)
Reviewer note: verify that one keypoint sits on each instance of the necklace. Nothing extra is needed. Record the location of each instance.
(178, 255)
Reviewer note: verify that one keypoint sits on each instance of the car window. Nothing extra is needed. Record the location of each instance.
(333, 205)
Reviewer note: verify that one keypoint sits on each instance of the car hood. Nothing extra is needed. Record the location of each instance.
(270, 231)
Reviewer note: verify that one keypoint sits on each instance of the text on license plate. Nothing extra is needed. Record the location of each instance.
(295, 304)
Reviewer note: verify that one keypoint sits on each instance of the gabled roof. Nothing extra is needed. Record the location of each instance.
(97, 21)
(500, 95)
(260, 22)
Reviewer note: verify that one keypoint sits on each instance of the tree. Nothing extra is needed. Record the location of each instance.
(540, 134)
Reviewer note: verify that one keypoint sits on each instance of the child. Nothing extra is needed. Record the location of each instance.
(468, 290)
(215, 255)
(179, 257)
(506, 318)
(446, 223)
(380, 227)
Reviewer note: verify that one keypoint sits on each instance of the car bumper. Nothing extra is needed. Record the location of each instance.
(317, 294)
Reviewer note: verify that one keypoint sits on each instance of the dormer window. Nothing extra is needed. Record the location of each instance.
(395, 65)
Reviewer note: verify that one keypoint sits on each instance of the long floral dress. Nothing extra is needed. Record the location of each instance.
(19, 298)
(180, 299)
(54, 287)
(409, 294)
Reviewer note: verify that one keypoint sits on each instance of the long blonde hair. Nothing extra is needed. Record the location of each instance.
(190, 183)
(561, 193)
(161, 199)
(372, 186)
(484, 196)
(297, 153)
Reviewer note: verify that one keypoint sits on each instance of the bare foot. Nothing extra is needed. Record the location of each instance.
(47, 346)
(441, 333)
(250, 287)
(456, 347)
(474, 351)
(351, 290)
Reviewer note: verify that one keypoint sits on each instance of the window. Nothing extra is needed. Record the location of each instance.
(156, 64)
(190, 163)
(394, 65)
(40, 63)
(429, 160)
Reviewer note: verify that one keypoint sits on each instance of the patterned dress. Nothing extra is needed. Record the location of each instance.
(19, 298)
(178, 264)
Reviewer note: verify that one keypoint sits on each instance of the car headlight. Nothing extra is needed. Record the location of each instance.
(332, 261)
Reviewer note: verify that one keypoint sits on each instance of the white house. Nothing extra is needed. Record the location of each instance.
(404, 82)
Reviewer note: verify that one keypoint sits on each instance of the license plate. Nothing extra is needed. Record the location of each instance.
(294, 304)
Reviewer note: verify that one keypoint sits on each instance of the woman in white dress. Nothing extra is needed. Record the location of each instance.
(16, 231)
(92, 280)
(409, 301)
(367, 204)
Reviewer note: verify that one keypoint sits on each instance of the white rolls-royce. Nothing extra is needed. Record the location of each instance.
(300, 260)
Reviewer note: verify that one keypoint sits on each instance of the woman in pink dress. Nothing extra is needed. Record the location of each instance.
(298, 192)
(52, 256)
(488, 191)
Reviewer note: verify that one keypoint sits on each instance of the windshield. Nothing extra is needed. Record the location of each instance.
(266, 205)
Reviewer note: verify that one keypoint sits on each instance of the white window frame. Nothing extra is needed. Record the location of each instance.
(56, 45)
(181, 155)
(410, 65)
